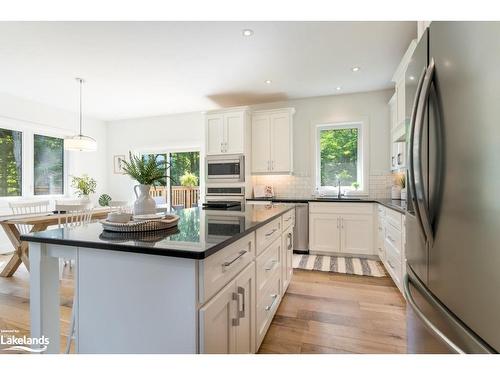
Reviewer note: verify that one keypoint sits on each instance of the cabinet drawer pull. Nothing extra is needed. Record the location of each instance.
(390, 264)
(290, 244)
(275, 299)
(228, 264)
(287, 220)
(273, 262)
(271, 233)
(236, 321)
(241, 313)
(391, 239)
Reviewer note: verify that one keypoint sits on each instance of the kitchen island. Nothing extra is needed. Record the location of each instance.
(212, 285)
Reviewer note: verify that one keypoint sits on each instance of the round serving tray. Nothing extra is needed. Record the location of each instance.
(168, 221)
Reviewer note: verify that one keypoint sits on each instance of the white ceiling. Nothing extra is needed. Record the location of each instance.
(136, 69)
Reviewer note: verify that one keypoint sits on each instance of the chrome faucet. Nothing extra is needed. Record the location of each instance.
(339, 194)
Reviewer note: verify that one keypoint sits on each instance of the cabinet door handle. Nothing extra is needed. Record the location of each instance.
(287, 220)
(391, 239)
(236, 321)
(272, 165)
(399, 159)
(290, 244)
(342, 221)
(221, 147)
(273, 262)
(230, 263)
(241, 313)
(338, 225)
(275, 299)
(393, 158)
(390, 264)
(271, 233)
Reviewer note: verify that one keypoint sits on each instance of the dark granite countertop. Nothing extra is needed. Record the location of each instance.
(199, 234)
(395, 204)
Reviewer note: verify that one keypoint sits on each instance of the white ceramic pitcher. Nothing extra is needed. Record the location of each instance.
(144, 204)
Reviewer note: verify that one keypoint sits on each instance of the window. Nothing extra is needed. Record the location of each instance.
(10, 163)
(340, 156)
(48, 172)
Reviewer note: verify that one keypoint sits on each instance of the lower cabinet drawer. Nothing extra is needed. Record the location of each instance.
(393, 262)
(394, 218)
(393, 236)
(288, 219)
(268, 234)
(220, 268)
(268, 263)
(267, 304)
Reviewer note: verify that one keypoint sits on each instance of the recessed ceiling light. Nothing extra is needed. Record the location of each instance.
(247, 32)
(338, 88)
(355, 68)
(412, 78)
(268, 81)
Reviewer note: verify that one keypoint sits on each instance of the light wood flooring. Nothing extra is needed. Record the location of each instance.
(320, 313)
(334, 313)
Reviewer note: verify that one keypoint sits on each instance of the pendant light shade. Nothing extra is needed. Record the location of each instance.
(80, 142)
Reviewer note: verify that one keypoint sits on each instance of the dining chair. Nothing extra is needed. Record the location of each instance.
(72, 216)
(26, 208)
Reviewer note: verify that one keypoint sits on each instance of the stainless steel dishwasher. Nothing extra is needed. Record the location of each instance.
(301, 230)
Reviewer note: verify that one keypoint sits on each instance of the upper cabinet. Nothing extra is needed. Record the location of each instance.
(272, 141)
(400, 111)
(226, 131)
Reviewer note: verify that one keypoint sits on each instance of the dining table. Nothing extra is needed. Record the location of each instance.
(38, 222)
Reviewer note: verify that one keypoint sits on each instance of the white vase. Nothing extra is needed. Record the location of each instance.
(403, 194)
(396, 192)
(144, 204)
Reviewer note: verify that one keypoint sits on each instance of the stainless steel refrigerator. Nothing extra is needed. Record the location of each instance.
(453, 220)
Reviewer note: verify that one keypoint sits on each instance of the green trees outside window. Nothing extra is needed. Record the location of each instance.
(10, 163)
(48, 165)
(339, 156)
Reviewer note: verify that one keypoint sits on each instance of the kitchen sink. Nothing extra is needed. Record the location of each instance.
(338, 199)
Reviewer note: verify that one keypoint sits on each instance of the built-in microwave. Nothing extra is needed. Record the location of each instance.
(225, 168)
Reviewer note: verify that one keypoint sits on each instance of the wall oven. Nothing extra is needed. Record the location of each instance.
(225, 168)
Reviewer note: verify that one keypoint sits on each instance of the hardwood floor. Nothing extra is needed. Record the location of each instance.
(14, 303)
(333, 313)
(320, 313)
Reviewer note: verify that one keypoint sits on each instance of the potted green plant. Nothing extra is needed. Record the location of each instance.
(84, 186)
(148, 171)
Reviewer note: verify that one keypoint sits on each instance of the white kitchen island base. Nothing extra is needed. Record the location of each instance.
(127, 302)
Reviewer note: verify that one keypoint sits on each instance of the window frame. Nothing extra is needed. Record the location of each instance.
(362, 162)
(28, 131)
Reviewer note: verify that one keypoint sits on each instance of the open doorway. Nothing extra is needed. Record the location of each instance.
(183, 188)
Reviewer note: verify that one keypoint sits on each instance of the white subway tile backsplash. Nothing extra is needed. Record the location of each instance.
(303, 187)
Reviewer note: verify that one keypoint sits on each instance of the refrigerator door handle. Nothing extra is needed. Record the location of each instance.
(475, 341)
(411, 141)
(418, 177)
(425, 320)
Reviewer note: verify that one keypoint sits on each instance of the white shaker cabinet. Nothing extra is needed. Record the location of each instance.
(357, 234)
(272, 141)
(227, 321)
(341, 228)
(226, 131)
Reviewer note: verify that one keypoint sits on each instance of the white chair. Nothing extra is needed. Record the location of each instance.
(26, 208)
(71, 216)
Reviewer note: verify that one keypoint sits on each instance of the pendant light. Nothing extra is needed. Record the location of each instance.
(80, 142)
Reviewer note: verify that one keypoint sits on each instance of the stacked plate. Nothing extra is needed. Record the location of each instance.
(142, 223)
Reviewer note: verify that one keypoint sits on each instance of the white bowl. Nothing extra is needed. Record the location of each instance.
(119, 217)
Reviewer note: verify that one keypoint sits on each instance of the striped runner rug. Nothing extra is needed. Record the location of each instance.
(347, 265)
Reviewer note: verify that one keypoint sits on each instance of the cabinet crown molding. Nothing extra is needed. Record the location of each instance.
(226, 110)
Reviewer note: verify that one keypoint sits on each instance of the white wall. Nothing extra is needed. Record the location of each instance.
(156, 134)
(26, 115)
(186, 130)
